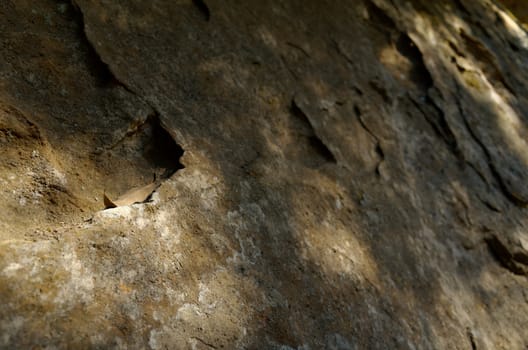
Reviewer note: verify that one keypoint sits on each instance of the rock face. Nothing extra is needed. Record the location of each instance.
(332, 175)
(519, 9)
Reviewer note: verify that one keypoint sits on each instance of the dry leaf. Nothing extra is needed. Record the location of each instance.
(135, 195)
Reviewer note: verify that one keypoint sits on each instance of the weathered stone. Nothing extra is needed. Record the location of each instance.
(340, 175)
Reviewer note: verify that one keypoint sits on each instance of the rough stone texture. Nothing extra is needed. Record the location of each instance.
(353, 175)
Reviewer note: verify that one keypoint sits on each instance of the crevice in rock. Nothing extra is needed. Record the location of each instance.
(381, 20)
(413, 70)
(471, 339)
(357, 90)
(489, 205)
(514, 47)
(514, 262)
(321, 148)
(436, 118)
(203, 8)
(298, 48)
(380, 90)
(341, 53)
(456, 50)
(209, 345)
(463, 8)
(496, 175)
(419, 73)
(99, 69)
(487, 61)
(315, 142)
(378, 149)
(504, 189)
(478, 172)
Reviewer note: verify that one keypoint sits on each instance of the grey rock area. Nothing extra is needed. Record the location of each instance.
(332, 175)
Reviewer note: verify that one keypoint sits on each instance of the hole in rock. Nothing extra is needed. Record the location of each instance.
(203, 8)
(162, 152)
(145, 154)
(418, 73)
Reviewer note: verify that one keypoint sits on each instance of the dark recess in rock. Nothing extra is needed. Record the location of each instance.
(144, 151)
(434, 115)
(381, 20)
(203, 8)
(320, 147)
(419, 73)
(516, 263)
(161, 150)
(471, 339)
(463, 9)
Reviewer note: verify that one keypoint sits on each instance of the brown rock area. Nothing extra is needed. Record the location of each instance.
(518, 7)
(327, 175)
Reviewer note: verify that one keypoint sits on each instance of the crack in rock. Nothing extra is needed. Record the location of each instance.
(378, 149)
(492, 167)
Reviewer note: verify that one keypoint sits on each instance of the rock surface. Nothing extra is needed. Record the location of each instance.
(518, 8)
(338, 175)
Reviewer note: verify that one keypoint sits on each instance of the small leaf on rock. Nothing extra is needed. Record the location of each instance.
(135, 195)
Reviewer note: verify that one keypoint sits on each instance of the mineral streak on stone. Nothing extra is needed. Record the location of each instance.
(332, 175)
